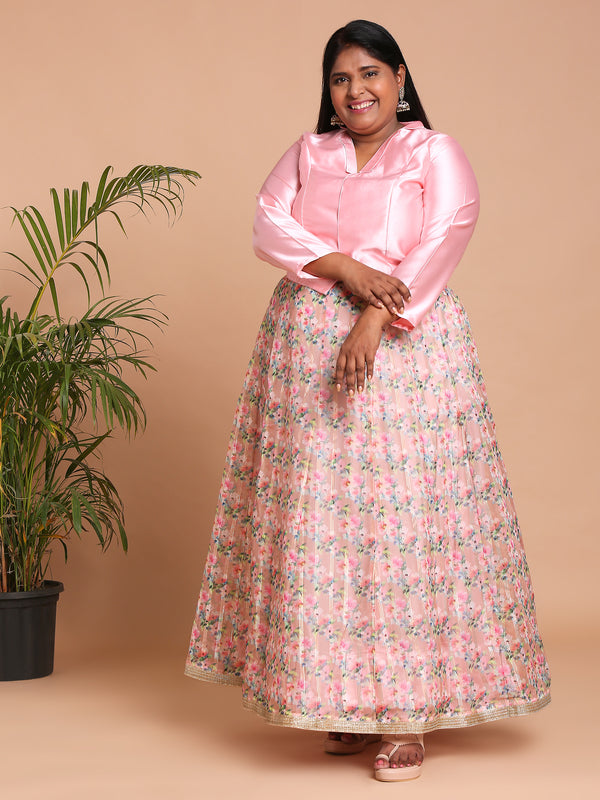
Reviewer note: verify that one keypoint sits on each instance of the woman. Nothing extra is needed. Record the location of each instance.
(366, 574)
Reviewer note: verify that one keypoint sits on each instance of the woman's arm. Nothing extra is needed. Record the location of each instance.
(282, 241)
(450, 209)
(278, 238)
(356, 359)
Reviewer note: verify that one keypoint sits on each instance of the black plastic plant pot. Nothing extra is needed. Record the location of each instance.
(27, 627)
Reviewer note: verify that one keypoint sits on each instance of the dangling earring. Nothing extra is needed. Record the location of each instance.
(335, 120)
(402, 104)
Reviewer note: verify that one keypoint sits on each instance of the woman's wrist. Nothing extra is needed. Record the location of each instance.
(379, 317)
(333, 266)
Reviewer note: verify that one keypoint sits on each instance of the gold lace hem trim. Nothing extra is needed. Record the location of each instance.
(346, 726)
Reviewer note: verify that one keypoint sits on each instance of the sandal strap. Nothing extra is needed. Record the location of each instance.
(402, 739)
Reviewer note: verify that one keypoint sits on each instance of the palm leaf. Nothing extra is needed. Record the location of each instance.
(144, 187)
(61, 378)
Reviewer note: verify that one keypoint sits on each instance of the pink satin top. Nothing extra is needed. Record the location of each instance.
(410, 211)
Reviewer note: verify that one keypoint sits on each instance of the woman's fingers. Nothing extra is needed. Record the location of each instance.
(360, 374)
(394, 304)
(340, 369)
(353, 372)
(390, 295)
(351, 375)
(348, 373)
(355, 362)
(369, 363)
(403, 289)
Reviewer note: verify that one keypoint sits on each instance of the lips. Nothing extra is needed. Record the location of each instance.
(362, 106)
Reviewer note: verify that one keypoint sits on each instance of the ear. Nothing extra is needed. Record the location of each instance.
(401, 75)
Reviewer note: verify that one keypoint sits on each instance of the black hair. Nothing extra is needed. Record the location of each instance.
(380, 44)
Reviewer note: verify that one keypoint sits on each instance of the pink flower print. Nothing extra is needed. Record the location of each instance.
(411, 432)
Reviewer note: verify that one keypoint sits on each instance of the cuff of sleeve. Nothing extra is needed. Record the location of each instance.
(326, 251)
(321, 285)
(403, 324)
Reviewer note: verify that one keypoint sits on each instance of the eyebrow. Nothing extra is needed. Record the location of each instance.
(360, 69)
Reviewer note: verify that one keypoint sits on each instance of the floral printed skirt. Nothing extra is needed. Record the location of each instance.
(366, 571)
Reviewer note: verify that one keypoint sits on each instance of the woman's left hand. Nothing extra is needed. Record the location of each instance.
(356, 358)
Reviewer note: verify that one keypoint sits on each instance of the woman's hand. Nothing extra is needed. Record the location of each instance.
(377, 288)
(357, 355)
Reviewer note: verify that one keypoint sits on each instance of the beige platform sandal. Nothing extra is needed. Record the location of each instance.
(337, 747)
(399, 773)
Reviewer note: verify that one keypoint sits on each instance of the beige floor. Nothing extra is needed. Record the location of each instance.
(125, 726)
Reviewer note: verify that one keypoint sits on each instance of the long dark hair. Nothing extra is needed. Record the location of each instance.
(380, 44)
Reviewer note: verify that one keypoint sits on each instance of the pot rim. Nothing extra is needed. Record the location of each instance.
(48, 589)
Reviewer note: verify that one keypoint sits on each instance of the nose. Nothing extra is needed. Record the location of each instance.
(355, 88)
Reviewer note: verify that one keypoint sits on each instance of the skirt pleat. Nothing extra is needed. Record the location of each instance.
(366, 571)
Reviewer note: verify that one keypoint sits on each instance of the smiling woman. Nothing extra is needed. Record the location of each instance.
(366, 574)
(365, 97)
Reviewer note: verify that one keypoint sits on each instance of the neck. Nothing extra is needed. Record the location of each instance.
(377, 138)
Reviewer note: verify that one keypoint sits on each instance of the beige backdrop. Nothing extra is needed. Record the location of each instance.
(224, 88)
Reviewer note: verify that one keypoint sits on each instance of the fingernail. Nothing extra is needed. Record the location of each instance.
(360, 388)
(351, 392)
(338, 387)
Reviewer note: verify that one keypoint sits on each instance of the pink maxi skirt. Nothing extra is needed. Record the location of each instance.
(366, 571)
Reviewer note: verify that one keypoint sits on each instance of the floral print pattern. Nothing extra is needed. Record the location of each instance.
(366, 570)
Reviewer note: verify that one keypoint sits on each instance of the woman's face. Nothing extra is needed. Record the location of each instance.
(364, 92)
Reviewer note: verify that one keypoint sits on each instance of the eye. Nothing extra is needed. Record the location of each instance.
(371, 73)
(338, 80)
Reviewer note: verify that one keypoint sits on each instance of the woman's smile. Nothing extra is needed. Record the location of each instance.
(364, 92)
(365, 105)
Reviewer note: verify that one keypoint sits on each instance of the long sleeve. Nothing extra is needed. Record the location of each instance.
(280, 239)
(450, 210)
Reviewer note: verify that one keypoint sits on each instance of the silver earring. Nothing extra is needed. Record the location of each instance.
(335, 120)
(402, 104)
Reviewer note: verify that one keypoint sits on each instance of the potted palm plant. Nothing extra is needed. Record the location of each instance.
(65, 386)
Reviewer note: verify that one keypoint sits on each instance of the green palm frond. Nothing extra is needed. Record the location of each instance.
(71, 240)
(65, 385)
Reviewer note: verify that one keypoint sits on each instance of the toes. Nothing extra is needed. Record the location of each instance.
(406, 756)
(380, 762)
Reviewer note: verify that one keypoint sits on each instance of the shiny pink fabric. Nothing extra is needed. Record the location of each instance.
(410, 211)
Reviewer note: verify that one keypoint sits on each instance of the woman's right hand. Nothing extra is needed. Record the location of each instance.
(377, 288)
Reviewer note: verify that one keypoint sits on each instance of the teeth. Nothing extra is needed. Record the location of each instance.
(364, 104)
